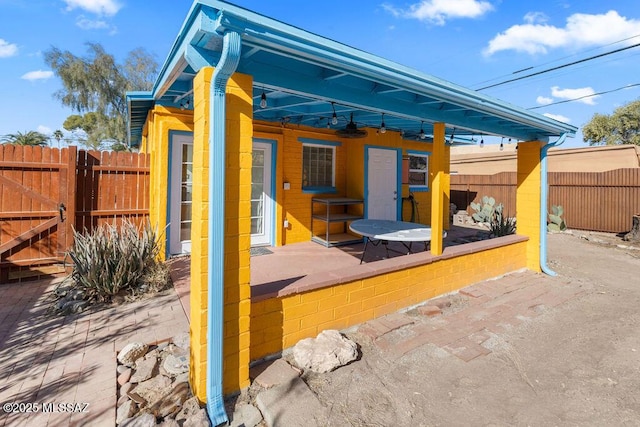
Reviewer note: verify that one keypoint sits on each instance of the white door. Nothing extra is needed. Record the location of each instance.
(181, 181)
(382, 184)
(261, 197)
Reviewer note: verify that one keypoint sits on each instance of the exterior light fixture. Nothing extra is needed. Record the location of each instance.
(334, 118)
(263, 100)
(383, 127)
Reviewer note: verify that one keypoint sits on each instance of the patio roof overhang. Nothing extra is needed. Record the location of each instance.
(305, 76)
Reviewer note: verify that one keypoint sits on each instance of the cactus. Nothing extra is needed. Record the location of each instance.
(484, 212)
(556, 222)
(501, 225)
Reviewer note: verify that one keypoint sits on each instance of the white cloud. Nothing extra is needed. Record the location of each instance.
(7, 49)
(543, 100)
(584, 95)
(44, 129)
(37, 75)
(535, 18)
(439, 11)
(558, 117)
(99, 7)
(90, 24)
(581, 30)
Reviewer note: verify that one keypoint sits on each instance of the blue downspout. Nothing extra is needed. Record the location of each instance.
(215, 276)
(544, 194)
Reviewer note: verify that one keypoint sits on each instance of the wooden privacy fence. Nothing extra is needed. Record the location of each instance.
(46, 192)
(595, 201)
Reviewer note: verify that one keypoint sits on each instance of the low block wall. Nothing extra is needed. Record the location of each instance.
(353, 296)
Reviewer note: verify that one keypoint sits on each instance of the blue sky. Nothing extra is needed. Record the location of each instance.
(474, 43)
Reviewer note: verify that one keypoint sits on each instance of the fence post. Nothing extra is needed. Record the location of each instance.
(72, 171)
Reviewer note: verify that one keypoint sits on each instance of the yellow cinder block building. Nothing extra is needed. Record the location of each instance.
(256, 128)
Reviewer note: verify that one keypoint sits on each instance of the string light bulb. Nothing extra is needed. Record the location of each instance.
(422, 135)
(502, 144)
(383, 127)
(263, 100)
(334, 118)
(481, 141)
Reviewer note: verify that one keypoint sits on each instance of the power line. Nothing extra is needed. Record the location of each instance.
(561, 66)
(558, 59)
(586, 96)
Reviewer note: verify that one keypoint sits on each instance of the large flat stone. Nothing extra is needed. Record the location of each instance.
(291, 404)
(270, 374)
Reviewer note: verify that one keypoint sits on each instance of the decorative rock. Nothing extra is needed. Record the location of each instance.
(131, 352)
(182, 340)
(246, 416)
(144, 369)
(121, 368)
(124, 388)
(144, 420)
(136, 398)
(328, 351)
(122, 399)
(124, 376)
(200, 419)
(124, 411)
(171, 403)
(182, 378)
(176, 365)
(189, 408)
(152, 390)
(169, 422)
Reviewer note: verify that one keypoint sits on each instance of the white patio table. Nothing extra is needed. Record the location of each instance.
(383, 231)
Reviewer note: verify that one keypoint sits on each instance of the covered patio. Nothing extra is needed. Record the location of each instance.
(276, 117)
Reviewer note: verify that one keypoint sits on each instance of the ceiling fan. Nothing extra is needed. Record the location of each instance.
(351, 130)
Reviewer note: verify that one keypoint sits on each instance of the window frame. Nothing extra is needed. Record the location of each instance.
(426, 155)
(319, 189)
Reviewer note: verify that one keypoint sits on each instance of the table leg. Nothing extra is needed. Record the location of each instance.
(366, 243)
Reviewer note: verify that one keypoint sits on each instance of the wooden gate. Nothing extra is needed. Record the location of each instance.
(37, 201)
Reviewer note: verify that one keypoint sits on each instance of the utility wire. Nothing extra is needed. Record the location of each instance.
(556, 60)
(590, 58)
(586, 96)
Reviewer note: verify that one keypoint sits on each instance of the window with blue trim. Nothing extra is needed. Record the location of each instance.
(318, 167)
(418, 171)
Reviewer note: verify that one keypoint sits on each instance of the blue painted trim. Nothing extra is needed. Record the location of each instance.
(274, 153)
(398, 178)
(419, 153)
(319, 142)
(172, 133)
(419, 188)
(399, 184)
(217, 161)
(319, 190)
(544, 194)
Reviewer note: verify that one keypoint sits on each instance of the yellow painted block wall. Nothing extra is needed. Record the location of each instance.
(528, 199)
(161, 121)
(295, 206)
(279, 323)
(237, 211)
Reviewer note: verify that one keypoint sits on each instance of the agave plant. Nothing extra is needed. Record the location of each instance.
(112, 259)
(501, 225)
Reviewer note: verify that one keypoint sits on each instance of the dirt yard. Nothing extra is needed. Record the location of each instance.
(577, 363)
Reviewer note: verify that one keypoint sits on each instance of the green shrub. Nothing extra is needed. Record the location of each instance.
(501, 225)
(113, 259)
